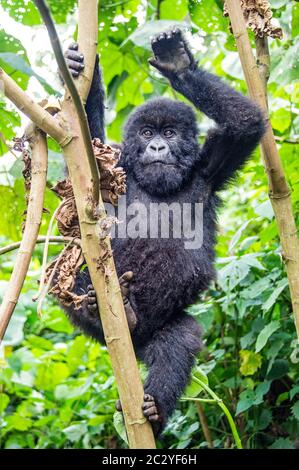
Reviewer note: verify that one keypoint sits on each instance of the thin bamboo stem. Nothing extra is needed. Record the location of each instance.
(33, 221)
(39, 240)
(279, 191)
(219, 402)
(34, 111)
(204, 425)
(69, 82)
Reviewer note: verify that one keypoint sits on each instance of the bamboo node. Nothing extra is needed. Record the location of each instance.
(66, 140)
(110, 339)
(138, 421)
(279, 196)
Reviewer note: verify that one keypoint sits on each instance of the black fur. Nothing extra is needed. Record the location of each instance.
(167, 277)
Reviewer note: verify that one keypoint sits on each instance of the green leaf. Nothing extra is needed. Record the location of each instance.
(295, 19)
(25, 12)
(245, 402)
(194, 388)
(265, 334)
(143, 35)
(231, 65)
(250, 362)
(264, 420)
(18, 422)
(265, 210)
(4, 400)
(294, 391)
(281, 285)
(50, 374)
(295, 410)
(281, 119)
(119, 424)
(74, 389)
(15, 441)
(238, 235)
(174, 10)
(208, 16)
(285, 65)
(17, 63)
(279, 369)
(260, 391)
(76, 431)
(282, 443)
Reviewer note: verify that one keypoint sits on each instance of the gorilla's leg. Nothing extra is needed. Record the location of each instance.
(170, 355)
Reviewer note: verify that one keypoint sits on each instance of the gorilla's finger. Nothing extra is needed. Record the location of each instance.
(148, 405)
(162, 36)
(118, 405)
(154, 62)
(74, 55)
(74, 65)
(74, 73)
(90, 287)
(127, 276)
(150, 411)
(177, 32)
(93, 307)
(147, 397)
(153, 418)
(91, 293)
(74, 46)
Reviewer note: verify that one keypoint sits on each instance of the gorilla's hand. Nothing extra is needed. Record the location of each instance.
(74, 60)
(171, 54)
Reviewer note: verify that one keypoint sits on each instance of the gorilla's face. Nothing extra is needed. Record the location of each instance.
(160, 147)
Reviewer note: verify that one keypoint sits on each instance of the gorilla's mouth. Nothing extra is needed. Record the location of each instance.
(160, 162)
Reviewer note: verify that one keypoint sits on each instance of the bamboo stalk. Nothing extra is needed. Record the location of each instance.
(88, 44)
(279, 191)
(34, 111)
(98, 254)
(263, 61)
(40, 239)
(33, 221)
(99, 259)
(69, 82)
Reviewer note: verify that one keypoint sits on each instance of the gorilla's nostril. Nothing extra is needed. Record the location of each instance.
(157, 148)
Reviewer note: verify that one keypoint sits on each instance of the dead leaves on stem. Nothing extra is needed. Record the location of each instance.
(113, 185)
(258, 17)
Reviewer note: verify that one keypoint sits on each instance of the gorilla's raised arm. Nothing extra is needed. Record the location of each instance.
(95, 108)
(239, 121)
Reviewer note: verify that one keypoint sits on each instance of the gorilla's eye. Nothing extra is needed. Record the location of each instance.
(146, 132)
(169, 133)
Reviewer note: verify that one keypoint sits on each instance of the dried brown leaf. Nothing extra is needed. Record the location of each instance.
(258, 17)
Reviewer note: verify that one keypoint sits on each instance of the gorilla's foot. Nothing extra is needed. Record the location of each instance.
(150, 411)
(124, 283)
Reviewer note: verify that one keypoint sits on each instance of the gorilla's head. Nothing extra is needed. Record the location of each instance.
(160, 145)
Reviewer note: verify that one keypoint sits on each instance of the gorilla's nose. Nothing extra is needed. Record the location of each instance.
(158, 147)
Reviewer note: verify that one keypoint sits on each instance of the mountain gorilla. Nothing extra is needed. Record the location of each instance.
(165, 164)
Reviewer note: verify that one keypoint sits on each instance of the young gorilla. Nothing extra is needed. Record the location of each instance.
(164, 163)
